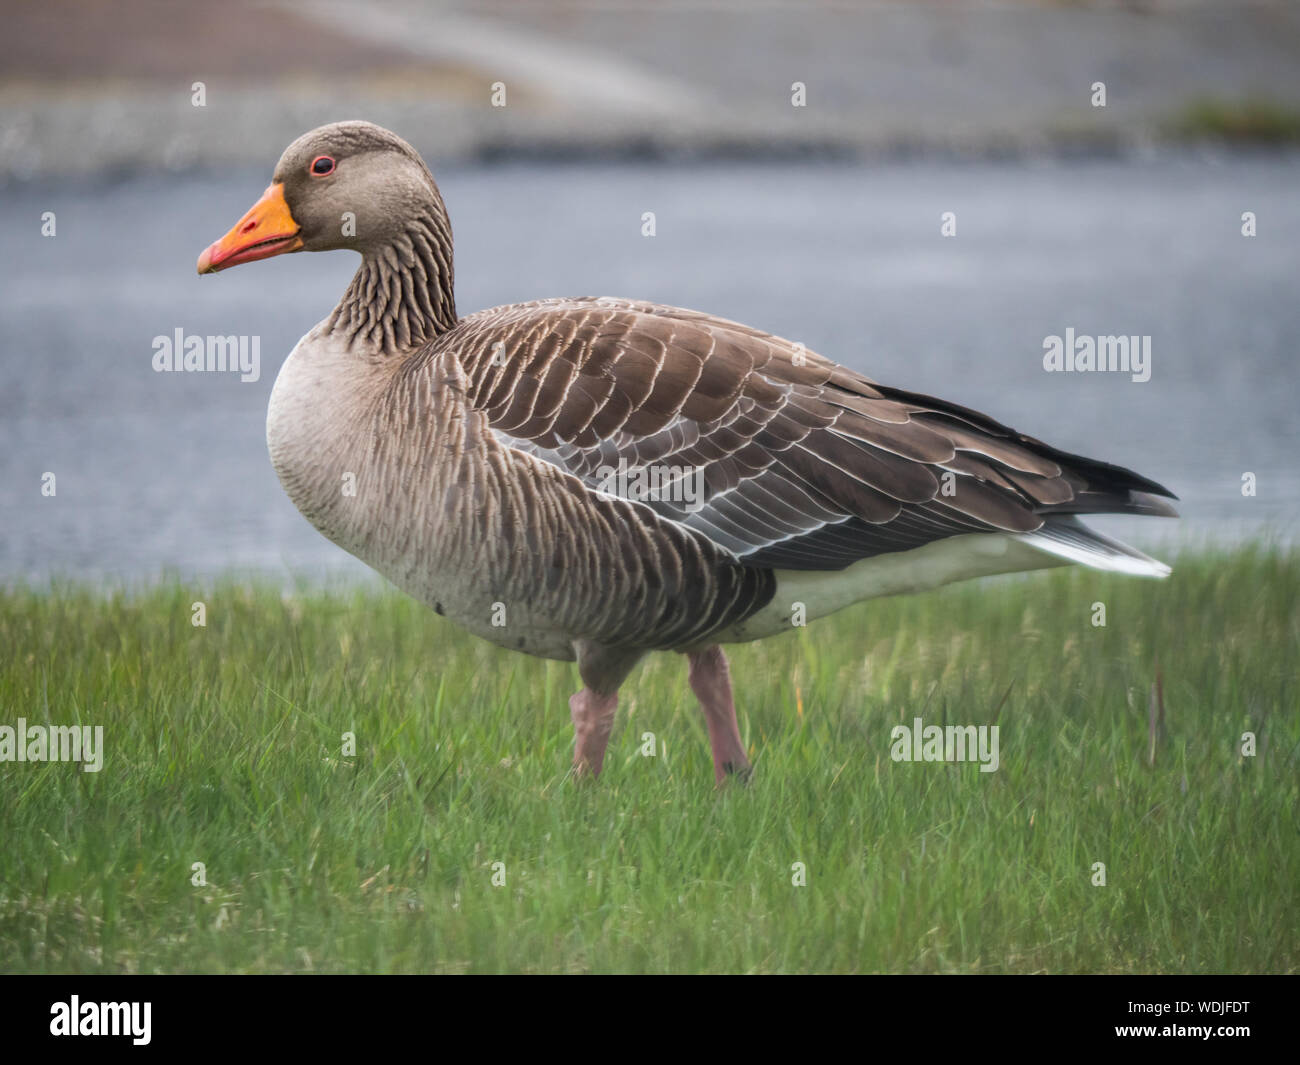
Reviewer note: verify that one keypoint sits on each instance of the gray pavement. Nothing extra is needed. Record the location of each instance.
(92, 89)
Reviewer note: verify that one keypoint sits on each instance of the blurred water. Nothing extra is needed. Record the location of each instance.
(160, 471)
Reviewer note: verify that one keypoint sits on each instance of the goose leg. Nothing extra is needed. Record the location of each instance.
(602, 670)
(711, 683)
(593, 720)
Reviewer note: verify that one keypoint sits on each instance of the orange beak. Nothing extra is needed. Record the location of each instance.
(267, 229)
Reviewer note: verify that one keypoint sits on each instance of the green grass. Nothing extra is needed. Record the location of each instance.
(223, 746)
(1249, 121)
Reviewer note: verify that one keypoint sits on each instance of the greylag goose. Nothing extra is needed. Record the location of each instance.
(469, 460)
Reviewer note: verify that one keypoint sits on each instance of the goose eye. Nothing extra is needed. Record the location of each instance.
(322, 165)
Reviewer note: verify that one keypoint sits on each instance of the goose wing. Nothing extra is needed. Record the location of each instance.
(803, 464)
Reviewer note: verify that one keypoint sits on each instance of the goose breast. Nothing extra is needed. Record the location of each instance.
(389, 460)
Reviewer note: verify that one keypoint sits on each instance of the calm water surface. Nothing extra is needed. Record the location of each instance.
(169, 471)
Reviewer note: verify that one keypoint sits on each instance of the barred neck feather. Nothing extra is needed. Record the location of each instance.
(402, 294)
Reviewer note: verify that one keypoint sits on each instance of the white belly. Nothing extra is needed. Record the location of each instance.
(804, 595)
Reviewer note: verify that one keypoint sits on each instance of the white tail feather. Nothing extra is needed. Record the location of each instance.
(1070, 539)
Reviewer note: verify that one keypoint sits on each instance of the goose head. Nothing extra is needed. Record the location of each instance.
(349, 185)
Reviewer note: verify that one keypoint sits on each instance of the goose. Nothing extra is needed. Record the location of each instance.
(468, 459)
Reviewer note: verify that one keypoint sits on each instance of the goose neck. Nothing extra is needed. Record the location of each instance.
(402, 294)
